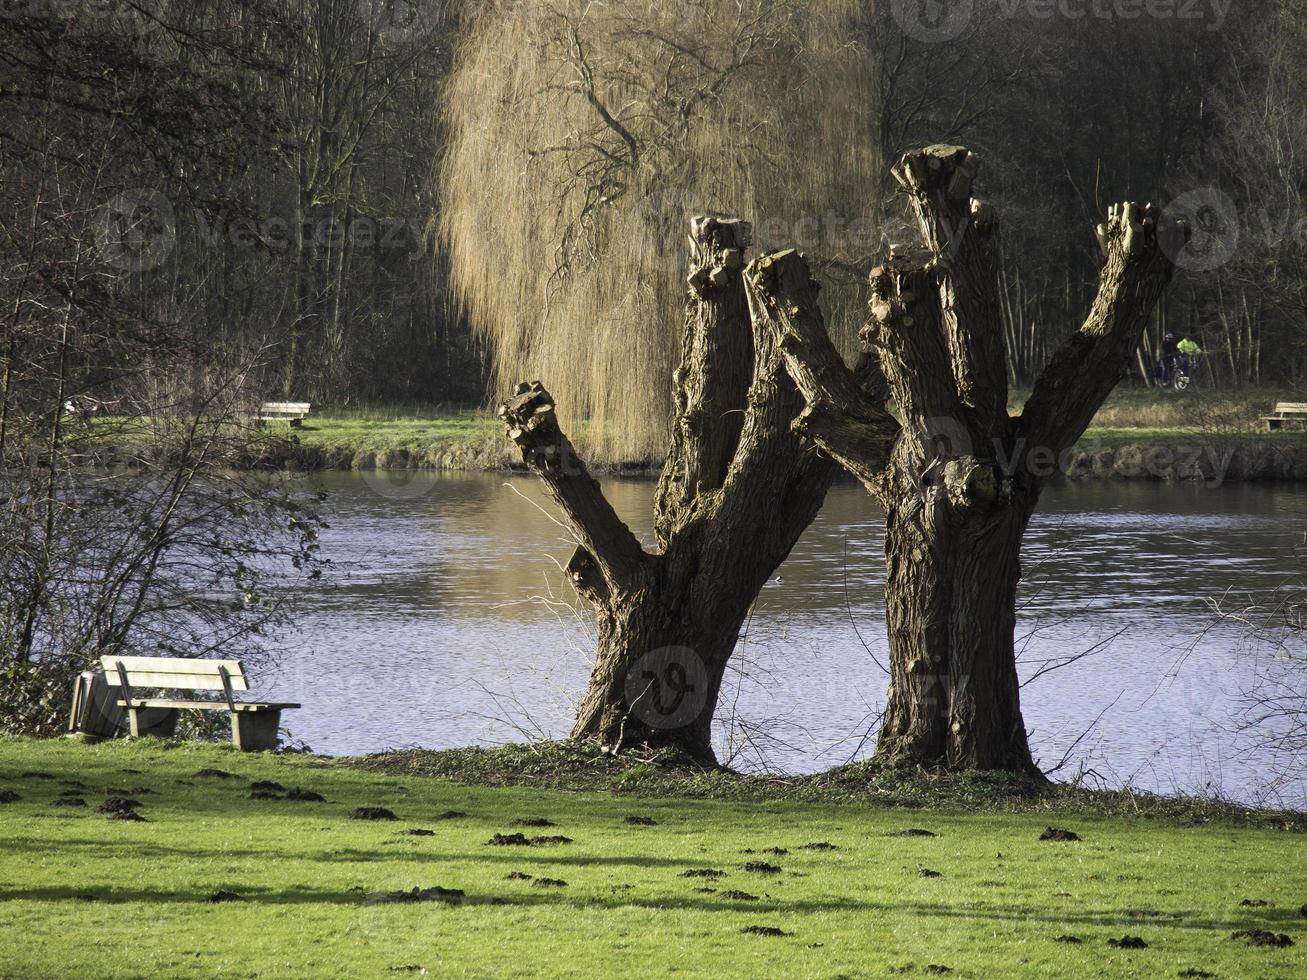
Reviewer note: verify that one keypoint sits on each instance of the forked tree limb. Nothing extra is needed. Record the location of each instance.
(841, 417)
(712, 382)
(904, 331)
(962, 235)
(1083, 372)
(611, 547)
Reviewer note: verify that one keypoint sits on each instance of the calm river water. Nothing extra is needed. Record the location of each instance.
(448, 623)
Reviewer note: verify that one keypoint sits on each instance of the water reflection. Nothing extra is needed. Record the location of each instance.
(451, 624)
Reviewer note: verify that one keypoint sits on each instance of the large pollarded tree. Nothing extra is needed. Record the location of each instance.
(957, 475)
(739, 486)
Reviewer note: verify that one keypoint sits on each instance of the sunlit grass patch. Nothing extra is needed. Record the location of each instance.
(83, 894)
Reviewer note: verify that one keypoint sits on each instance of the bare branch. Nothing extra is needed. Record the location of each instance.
(1084, 371)
(611, 547)
(840, 416)
(962, 235)
(712, 382)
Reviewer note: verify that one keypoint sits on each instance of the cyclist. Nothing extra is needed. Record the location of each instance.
(1166, 359)
(1188, 350)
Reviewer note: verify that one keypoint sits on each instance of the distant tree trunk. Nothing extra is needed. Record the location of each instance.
(959, 478)
(738, 488)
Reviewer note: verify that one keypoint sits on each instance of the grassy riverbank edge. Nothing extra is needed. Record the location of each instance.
(1196, 436)
(1118, 454)
(1169, 437)
(775, 886)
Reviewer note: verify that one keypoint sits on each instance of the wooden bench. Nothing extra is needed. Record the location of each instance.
(292, 412)
(1285, 412)
(253, 726)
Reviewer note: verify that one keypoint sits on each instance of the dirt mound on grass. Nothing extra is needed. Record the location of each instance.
(415, 894)
(1057, 833)
(371, 813)
(521, 840)
(217, 774)
(305, 796)
(1260, 937)
(532, 822)
(9, 796)
(763, 931)
(118, 804)
(702, 873)
(69, 801)
(1128, 942)
(762, 867)
(737, 896)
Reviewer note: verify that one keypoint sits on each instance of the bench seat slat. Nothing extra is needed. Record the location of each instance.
(203, 705)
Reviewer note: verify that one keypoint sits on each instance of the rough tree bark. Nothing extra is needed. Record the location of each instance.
(958, 478)
(738, 488)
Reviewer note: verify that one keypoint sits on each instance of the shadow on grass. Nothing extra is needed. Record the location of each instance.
(252, 897)
(505, 855)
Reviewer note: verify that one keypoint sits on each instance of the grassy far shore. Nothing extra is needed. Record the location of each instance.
(212, 881)
(387, 437)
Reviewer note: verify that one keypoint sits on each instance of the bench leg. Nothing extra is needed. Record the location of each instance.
(139, 721)
(255, 731)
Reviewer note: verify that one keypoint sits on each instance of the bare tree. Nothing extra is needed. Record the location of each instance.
(959, 478)
(738, 488)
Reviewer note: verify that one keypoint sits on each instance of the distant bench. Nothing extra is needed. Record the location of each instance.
(253, 725)
(293, 412)
(1285, 412)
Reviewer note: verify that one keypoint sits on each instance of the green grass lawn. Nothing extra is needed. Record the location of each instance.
(85, 895)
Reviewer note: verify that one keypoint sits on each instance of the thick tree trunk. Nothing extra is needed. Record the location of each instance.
(738, 488)
(957, 477)
(657, 675)
(950, 597)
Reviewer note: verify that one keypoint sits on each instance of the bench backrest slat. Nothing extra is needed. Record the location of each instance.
(178, 673)
(286, 406)
(1291, 408)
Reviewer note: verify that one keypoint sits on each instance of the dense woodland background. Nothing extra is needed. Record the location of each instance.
(424, 201)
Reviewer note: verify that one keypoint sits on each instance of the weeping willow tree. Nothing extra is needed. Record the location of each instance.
(582, 137)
